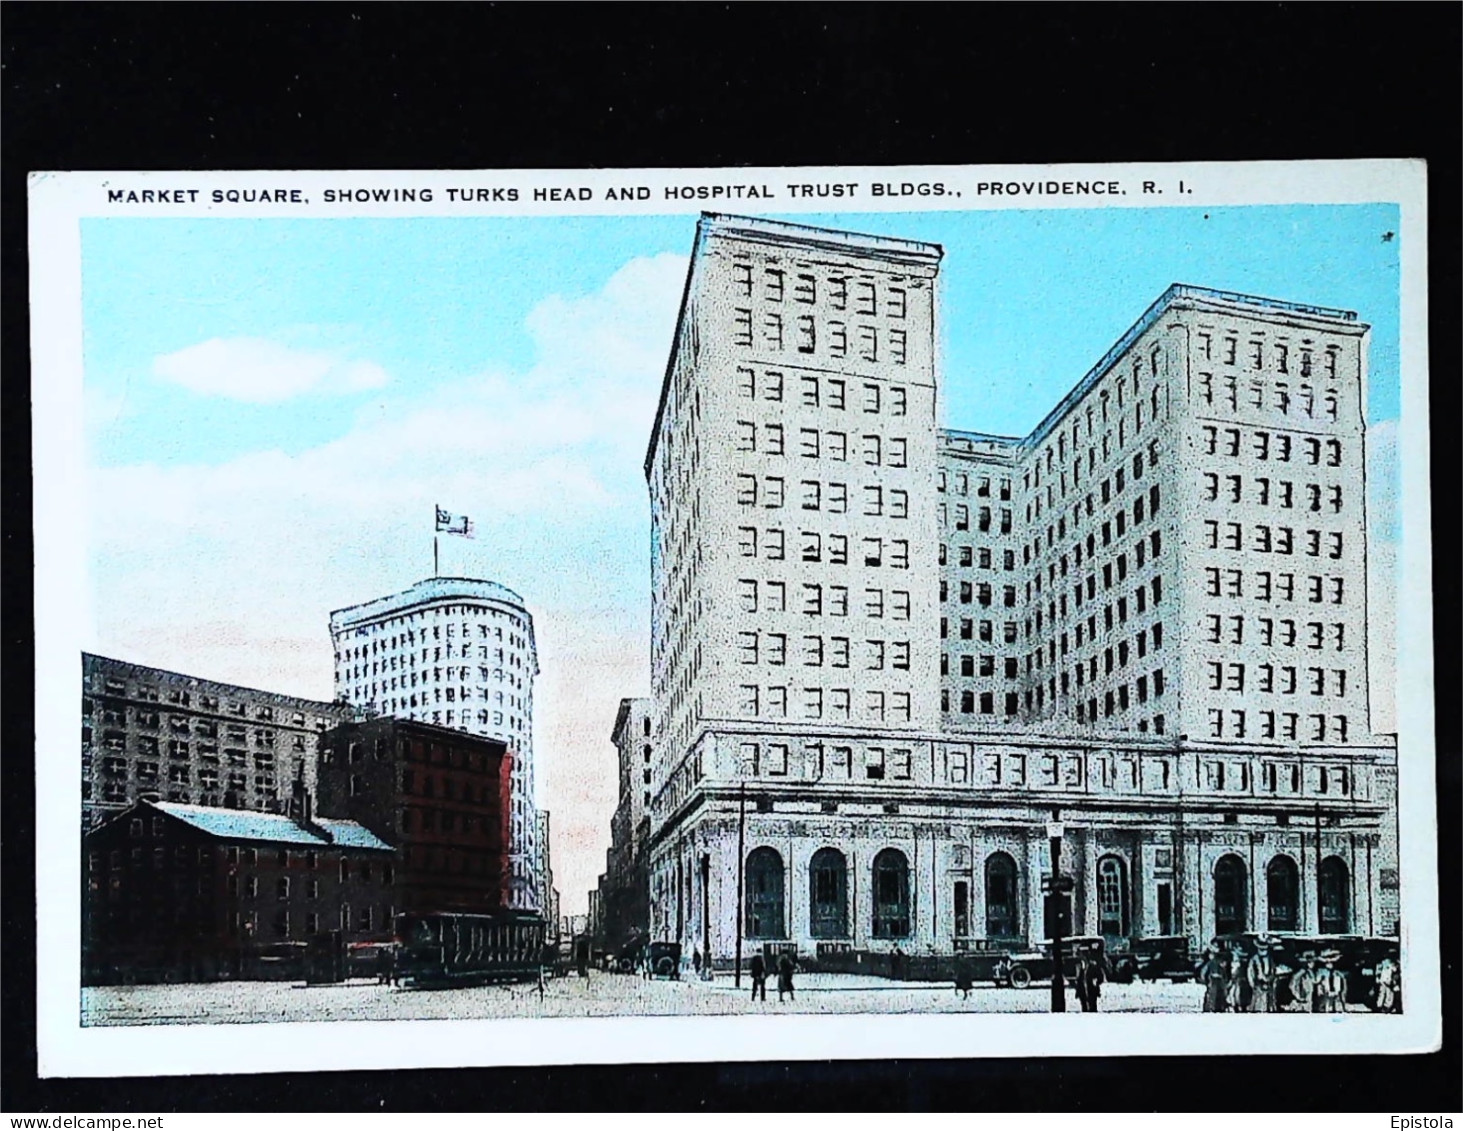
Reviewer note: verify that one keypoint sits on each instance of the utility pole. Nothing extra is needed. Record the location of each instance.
(1058, 911)
(706, 915)
(741, 847)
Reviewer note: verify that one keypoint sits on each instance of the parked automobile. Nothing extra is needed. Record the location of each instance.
(665, 960)
(1021, 968)
(1152, 958)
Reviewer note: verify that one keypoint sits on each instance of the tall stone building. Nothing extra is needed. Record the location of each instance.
(624, 892)
(884, 656)
(148, 734)
(455, 652)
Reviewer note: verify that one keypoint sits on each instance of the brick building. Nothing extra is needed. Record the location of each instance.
(157, 735)
(189, 892)
(441, 795)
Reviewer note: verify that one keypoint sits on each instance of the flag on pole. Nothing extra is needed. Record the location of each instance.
(459, 524)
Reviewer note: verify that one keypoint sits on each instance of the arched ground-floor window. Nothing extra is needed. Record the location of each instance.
(1282, 894)
(1231, 905)
(1335, 896)
(1002, 910)
(828, 895)
(1112, 896)
(891, 895)
(765, 895)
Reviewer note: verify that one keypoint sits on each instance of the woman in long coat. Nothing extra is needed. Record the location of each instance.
(1238, 992)
(1261, 973)
(1213, 972)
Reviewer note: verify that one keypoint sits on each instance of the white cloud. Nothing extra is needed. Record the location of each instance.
(261, 371)
(230, 570)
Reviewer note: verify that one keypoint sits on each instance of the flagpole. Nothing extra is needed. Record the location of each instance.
(436, 570)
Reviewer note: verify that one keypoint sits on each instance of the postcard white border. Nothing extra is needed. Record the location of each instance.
(59, 201)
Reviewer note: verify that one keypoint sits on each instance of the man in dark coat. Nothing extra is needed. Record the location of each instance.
(759, 977)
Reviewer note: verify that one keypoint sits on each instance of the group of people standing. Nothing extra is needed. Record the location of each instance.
(785, 970)
(1235, 982)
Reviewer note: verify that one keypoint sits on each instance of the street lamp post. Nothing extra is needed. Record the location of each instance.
(741, 886)
(706, 915)
(1056, 899)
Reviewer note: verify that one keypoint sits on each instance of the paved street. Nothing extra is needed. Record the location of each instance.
(602, 995)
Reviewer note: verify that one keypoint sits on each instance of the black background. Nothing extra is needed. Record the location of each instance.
(385, 86)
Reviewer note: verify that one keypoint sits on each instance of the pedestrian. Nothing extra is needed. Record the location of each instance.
(963, 978)
(1089, 982)
(1212, 970)
(1388, 982)
(1261, 975)
(542, 984)
(1304, 984)
(385, 963)
(1331, 985)
(696, 961)
(1237, 990)
(784, 977)
(759, 977)
(896, 964)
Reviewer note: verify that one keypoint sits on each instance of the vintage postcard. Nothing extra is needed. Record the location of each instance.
(511, 617)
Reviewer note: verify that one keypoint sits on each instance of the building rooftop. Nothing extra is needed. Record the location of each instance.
(784, 234)
(107, 664)
(1185, 294)
(274, 828)
(429, 591)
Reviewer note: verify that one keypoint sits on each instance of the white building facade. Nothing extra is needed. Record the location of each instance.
(456, 652)
(884, 656)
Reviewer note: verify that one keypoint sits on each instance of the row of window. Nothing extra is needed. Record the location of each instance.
(958, 483)
(821, 762)
(770, 492)
(969, 662)
(816, 546)
(1282, 355)
(1267, 539)
(183, 698)
(816, 390)
(816, 651)
(1261, 396)
(770, 439)
(1315, 497)
(1277, 724)
(982, 557)
(1272, 633)
(1277, 679)
(754, 595)
(838, 290)
(408, 637)
(978, 592)
(968, 628)
(771, 701)
(865, 338)
(987, 701)
(1267, 586)
(1263, 445)
(984, 516)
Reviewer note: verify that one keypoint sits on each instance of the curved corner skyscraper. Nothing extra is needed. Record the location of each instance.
(458, 652)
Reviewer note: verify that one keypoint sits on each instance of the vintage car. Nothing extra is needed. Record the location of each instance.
(1024, 967)
(1152, 958)
(665, 960)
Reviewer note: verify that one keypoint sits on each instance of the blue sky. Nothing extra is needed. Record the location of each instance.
(274, 406)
